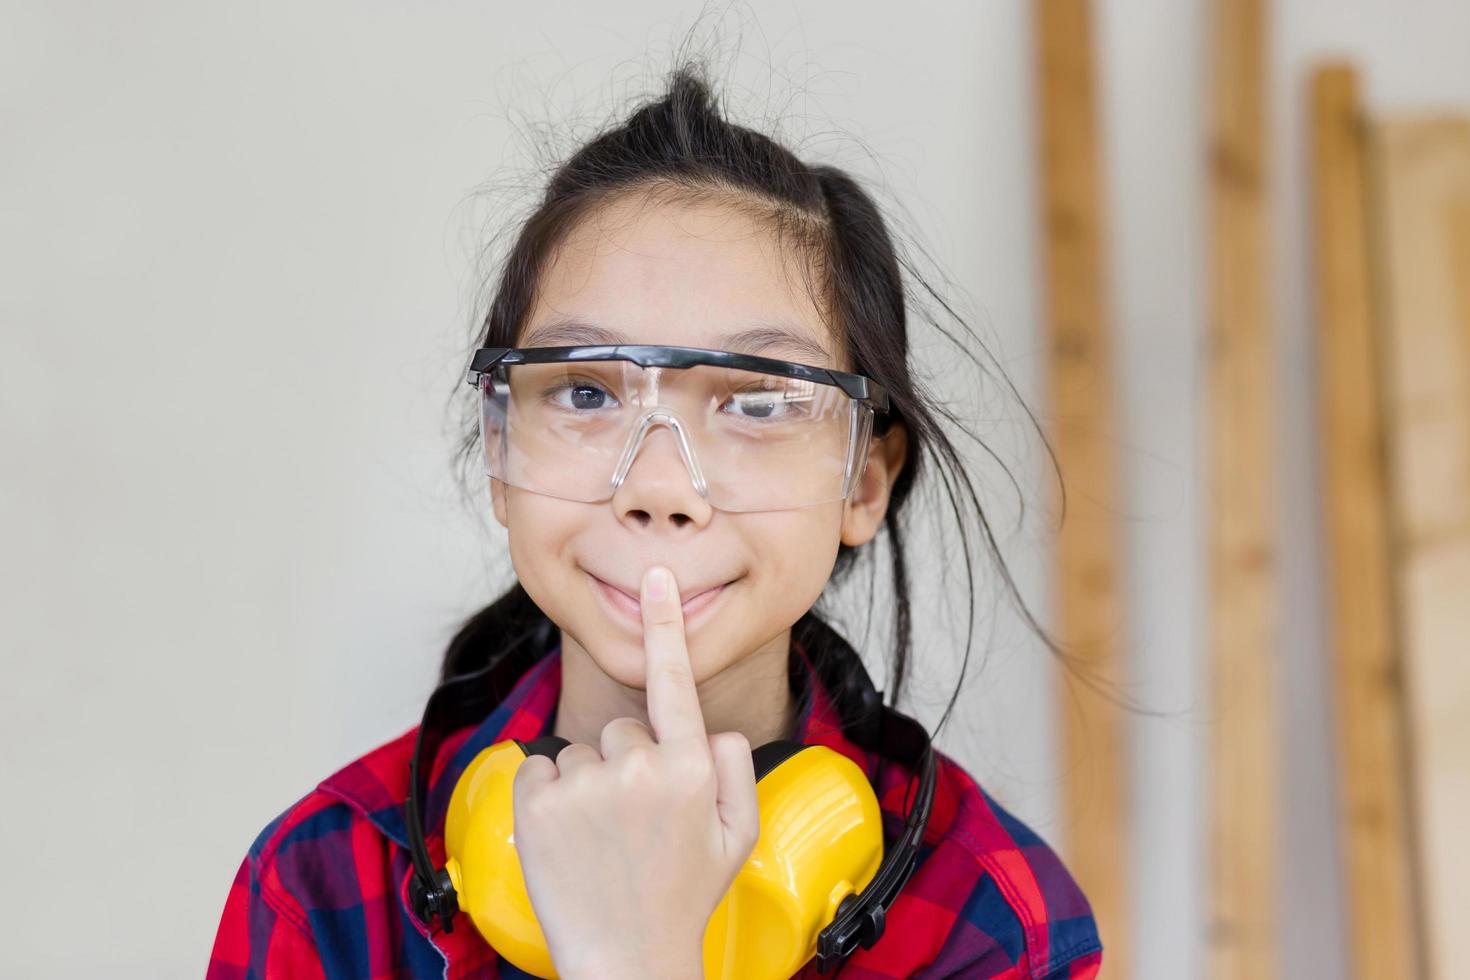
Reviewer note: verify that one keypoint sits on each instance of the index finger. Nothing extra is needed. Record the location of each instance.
(673, 701)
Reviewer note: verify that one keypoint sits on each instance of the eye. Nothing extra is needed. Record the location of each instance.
(765, 403)
(581, 396)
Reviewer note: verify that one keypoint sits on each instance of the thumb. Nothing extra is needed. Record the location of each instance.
(735, 797)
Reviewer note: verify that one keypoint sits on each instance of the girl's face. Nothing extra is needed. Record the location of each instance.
(681, 274)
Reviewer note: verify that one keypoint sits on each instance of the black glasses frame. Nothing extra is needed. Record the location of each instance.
(861, 388)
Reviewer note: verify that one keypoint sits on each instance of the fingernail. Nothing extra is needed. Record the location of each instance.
(658, 583)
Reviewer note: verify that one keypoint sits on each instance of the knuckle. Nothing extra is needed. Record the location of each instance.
(690, 769)
(677, 676)
(525, 774)
(736, 741)
(622, 735)
(530, 800)
(618, 725)
(639, 768)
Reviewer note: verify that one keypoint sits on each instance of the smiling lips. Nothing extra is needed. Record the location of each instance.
(628, 602)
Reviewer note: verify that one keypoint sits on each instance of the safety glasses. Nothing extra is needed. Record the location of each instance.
(755, 433)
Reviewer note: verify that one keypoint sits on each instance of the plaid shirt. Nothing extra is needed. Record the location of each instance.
(323, 890)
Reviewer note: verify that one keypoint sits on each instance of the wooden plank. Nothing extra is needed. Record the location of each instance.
(1086, 575)
(1422, 185)
(1373, 792)
(1243, 813)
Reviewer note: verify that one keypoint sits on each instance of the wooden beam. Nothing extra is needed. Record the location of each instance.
(1243, 812)
(1373, 792)
(1423, 190)
(1086, 573)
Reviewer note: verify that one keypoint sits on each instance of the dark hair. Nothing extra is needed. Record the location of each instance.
(681, 146)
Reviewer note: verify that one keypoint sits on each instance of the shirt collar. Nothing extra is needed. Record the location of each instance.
(528, 712)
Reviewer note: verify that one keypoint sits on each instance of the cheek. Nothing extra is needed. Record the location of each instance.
(538, 529)
(797, 550)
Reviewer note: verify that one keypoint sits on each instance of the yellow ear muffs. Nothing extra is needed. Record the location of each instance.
(821, 839)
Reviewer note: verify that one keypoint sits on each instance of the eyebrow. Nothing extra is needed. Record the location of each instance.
(764, 339)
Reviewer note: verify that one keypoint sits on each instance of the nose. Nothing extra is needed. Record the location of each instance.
(658, 488)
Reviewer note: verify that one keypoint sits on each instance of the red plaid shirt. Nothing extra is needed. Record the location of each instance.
(323, 890)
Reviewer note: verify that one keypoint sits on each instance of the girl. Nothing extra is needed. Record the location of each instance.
(667, 568)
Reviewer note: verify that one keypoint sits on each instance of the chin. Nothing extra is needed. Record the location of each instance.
(621, 656)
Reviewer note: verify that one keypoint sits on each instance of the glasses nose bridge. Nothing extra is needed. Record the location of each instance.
(660, 415)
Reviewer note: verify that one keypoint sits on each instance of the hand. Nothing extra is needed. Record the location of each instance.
(628, 851)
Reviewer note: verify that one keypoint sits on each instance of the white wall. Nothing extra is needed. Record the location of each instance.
(238, 245)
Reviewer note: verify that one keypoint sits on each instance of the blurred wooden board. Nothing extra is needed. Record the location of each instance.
(1422, 186)
(1375, 844)
(1244, 916)
(1081, 378)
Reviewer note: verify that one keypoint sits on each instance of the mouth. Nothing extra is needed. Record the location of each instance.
(692, 602)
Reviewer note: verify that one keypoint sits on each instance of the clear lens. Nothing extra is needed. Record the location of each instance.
(751, 441)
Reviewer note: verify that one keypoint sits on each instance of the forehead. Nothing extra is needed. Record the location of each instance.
(705, 274)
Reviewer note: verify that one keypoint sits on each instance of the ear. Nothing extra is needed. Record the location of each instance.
(497, 500)
(863, 511)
